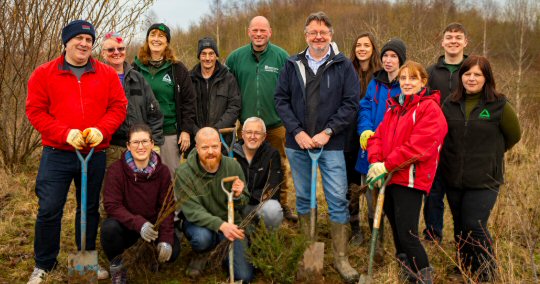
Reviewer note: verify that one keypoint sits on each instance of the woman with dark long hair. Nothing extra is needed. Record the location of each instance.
(366, 60)
(482, 126)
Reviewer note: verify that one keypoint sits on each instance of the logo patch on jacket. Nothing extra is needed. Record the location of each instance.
(484, 114)
(271, 69)
(167, 79)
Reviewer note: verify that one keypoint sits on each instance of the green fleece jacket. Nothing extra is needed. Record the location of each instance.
(257, 76)
(203, 201)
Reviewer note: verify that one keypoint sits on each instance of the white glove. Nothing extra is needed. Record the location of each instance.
(148, 233)
(376, 174)
(164, 251)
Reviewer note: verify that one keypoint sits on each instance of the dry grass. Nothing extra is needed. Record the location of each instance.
(514, 224)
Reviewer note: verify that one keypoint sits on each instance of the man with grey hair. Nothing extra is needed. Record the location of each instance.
(256, 67)
(316, 95)
(261, 165)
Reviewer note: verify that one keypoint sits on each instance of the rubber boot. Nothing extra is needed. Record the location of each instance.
(405, 272)
(340, 240)
(196, 265)
(356, 230)
(303, 224)
(425, 276)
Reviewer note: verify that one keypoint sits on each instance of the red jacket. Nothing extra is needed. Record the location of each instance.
(134, 198)
(409, 139)
(57, 102)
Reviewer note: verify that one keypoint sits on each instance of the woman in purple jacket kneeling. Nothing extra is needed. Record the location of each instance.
(135, 188)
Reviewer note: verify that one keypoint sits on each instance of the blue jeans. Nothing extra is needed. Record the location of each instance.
(204, 240)
(334, 178)
(434, 210)
(57, 170)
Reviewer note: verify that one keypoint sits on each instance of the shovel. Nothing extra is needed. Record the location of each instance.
(366, 279)
(228, 148)
(83, 266)
(313, 261)
(230, 219)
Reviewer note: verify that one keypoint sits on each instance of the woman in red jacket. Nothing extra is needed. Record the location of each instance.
(135, 189)
(407, 144)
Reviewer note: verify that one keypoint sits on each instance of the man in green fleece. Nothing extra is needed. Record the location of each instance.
(256, 67)
(204, 208)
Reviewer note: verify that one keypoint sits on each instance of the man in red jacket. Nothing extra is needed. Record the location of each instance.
(76, 102)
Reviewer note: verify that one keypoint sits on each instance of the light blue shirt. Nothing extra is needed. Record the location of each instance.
(314, 64)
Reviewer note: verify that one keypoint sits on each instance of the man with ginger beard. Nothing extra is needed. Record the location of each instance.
(204, 204)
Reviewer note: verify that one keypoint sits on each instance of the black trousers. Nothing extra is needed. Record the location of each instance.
(470, 210)
(402, 208)
(116, 238)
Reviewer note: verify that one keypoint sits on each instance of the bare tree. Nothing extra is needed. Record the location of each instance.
(30, 35)
(489, 11)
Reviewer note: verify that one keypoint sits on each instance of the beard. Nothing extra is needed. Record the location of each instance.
(211, 162)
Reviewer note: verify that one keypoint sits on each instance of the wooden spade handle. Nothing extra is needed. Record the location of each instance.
(229, 179)
(226, 130)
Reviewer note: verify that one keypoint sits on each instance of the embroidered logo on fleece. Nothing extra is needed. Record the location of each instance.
(167, 78)
(271, 69)
(484, 114)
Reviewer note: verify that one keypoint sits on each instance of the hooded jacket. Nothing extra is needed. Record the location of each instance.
(135, 198)
(372, 109)
(203, 201)
(338, 91)
(224, 98)
(58, 102)
(263, 173)
(142, 107)
(409, 139)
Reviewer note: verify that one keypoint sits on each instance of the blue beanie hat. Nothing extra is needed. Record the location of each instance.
(78, 27)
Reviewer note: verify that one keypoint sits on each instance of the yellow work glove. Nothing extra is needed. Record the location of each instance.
(93, 136)
(376, 173)
(75, 138)
(364, 138)
(156, 149)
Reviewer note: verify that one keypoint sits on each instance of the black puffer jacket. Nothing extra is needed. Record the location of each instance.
(441, 79)
(142, 107)
(224, 98)
(263, 174)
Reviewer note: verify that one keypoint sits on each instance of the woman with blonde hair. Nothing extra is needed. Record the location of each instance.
(406, 144)
(171, 84)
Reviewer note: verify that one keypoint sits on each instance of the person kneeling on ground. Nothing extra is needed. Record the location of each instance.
(204, 208)
(136, 187)
(261, 165)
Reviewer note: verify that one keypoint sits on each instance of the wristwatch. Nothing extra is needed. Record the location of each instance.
(328, 131)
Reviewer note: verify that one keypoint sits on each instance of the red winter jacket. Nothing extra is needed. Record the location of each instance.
(135, 198)
(409, 139)
(57, 102)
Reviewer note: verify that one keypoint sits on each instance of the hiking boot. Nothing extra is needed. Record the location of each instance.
(340, 240)
(196, 266)
(357, 237)
(102, 273)
(288, 214)
(405, 272)
(425, 276)
(37, 276)
(118, 274)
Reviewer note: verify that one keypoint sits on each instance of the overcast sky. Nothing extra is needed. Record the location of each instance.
(180, 13)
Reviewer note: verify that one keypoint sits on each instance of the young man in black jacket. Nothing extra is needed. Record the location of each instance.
(261, 165)
(443, 76)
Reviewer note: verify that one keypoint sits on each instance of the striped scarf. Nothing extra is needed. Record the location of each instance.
(150, 168)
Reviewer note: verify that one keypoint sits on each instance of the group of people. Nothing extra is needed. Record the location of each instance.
(377, 118)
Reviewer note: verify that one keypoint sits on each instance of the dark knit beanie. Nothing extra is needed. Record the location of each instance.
(397, 46)
(78, 27)
(162, 27)
(207, 42)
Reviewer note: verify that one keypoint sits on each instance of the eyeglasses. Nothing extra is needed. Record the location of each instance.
(136, 143)
(250, 132)
(112, 49)
(321, 33)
